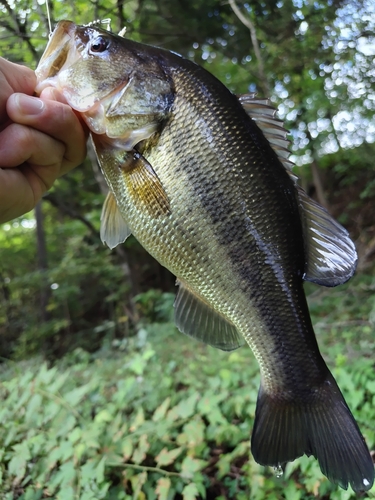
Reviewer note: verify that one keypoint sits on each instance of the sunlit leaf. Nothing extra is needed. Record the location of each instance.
(167, 457)
(191, 465)
(140, 452)
(161, 410)
(190, 492)
(162, 488)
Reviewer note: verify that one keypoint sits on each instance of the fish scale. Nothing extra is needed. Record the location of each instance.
(206, 268)
(202, 179)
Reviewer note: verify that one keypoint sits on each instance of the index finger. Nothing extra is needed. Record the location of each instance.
(55, 119)
(14, 78)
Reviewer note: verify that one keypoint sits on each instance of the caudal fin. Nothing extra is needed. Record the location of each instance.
(321, 425)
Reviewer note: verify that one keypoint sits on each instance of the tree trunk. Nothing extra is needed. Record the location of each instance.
(42, 262)
(317, 179)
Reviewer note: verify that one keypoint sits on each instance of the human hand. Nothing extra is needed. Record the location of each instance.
(41, 138)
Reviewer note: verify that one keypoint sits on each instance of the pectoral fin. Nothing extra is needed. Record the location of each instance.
(331, 254)
(128, 172)
(144, 185)
(196, 318)
(113, 229)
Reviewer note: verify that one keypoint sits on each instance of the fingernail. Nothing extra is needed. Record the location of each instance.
(29, 105)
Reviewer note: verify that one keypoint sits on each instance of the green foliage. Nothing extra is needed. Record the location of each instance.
(85, 290)
(155, 415)
(168, 417)
(155, 305)
(86, 294)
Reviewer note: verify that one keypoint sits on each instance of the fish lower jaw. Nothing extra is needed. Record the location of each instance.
(49, 82)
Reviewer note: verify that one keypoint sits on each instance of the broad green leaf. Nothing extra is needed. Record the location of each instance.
(138, 364)
(137, 481)
(46, 375)
(99, 471)
(103, 416)
(66, 450)
(75, 435)
(91, 436)
(127, 448)
(223, 465)
(76, 395)
(191, 465)
(33, 414)
(87, 471)
(64, 477)
(66, 493)
(17, 465)
(140, 452)
(292, 492)
(162, 488)
(139, 419)
(79, 450)
(161, 410)
(58, 382)
(68, 424)
(370, 386)
(193, 433)
(167, 457)
(184, 408)
(190, 492)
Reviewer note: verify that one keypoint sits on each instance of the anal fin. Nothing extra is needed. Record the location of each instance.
(196, 318)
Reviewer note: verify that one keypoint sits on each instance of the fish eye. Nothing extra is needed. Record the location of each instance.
(100, 44)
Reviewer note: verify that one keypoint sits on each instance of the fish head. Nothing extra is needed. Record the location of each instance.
(117, 85)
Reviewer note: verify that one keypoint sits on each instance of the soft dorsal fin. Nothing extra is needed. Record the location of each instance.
(332, 257)
(196, 318)
(113, 228)
(330, 253)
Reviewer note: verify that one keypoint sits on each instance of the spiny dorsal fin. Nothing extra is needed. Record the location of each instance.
(273, 129)
(113, 228)
(330, 253)
(122, 32)
(196, 318)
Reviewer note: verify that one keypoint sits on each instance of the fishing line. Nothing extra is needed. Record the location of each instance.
(49, 20)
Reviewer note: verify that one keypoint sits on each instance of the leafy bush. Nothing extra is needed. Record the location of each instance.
(165, 418)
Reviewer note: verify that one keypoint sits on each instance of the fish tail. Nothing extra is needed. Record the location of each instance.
(321, 425)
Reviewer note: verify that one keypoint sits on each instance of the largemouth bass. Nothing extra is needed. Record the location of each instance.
(202, 180)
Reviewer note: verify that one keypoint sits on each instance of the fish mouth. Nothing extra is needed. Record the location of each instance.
(57, 68)
(58, 54)
(64, 50)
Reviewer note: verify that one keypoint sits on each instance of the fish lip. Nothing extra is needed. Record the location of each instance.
(54, 56)
(64, 46)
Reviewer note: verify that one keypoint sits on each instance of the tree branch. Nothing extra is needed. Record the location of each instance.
(69, 211)
(254, 40)
(21, 28)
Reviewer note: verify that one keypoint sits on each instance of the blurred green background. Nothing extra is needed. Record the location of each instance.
(101, 396)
